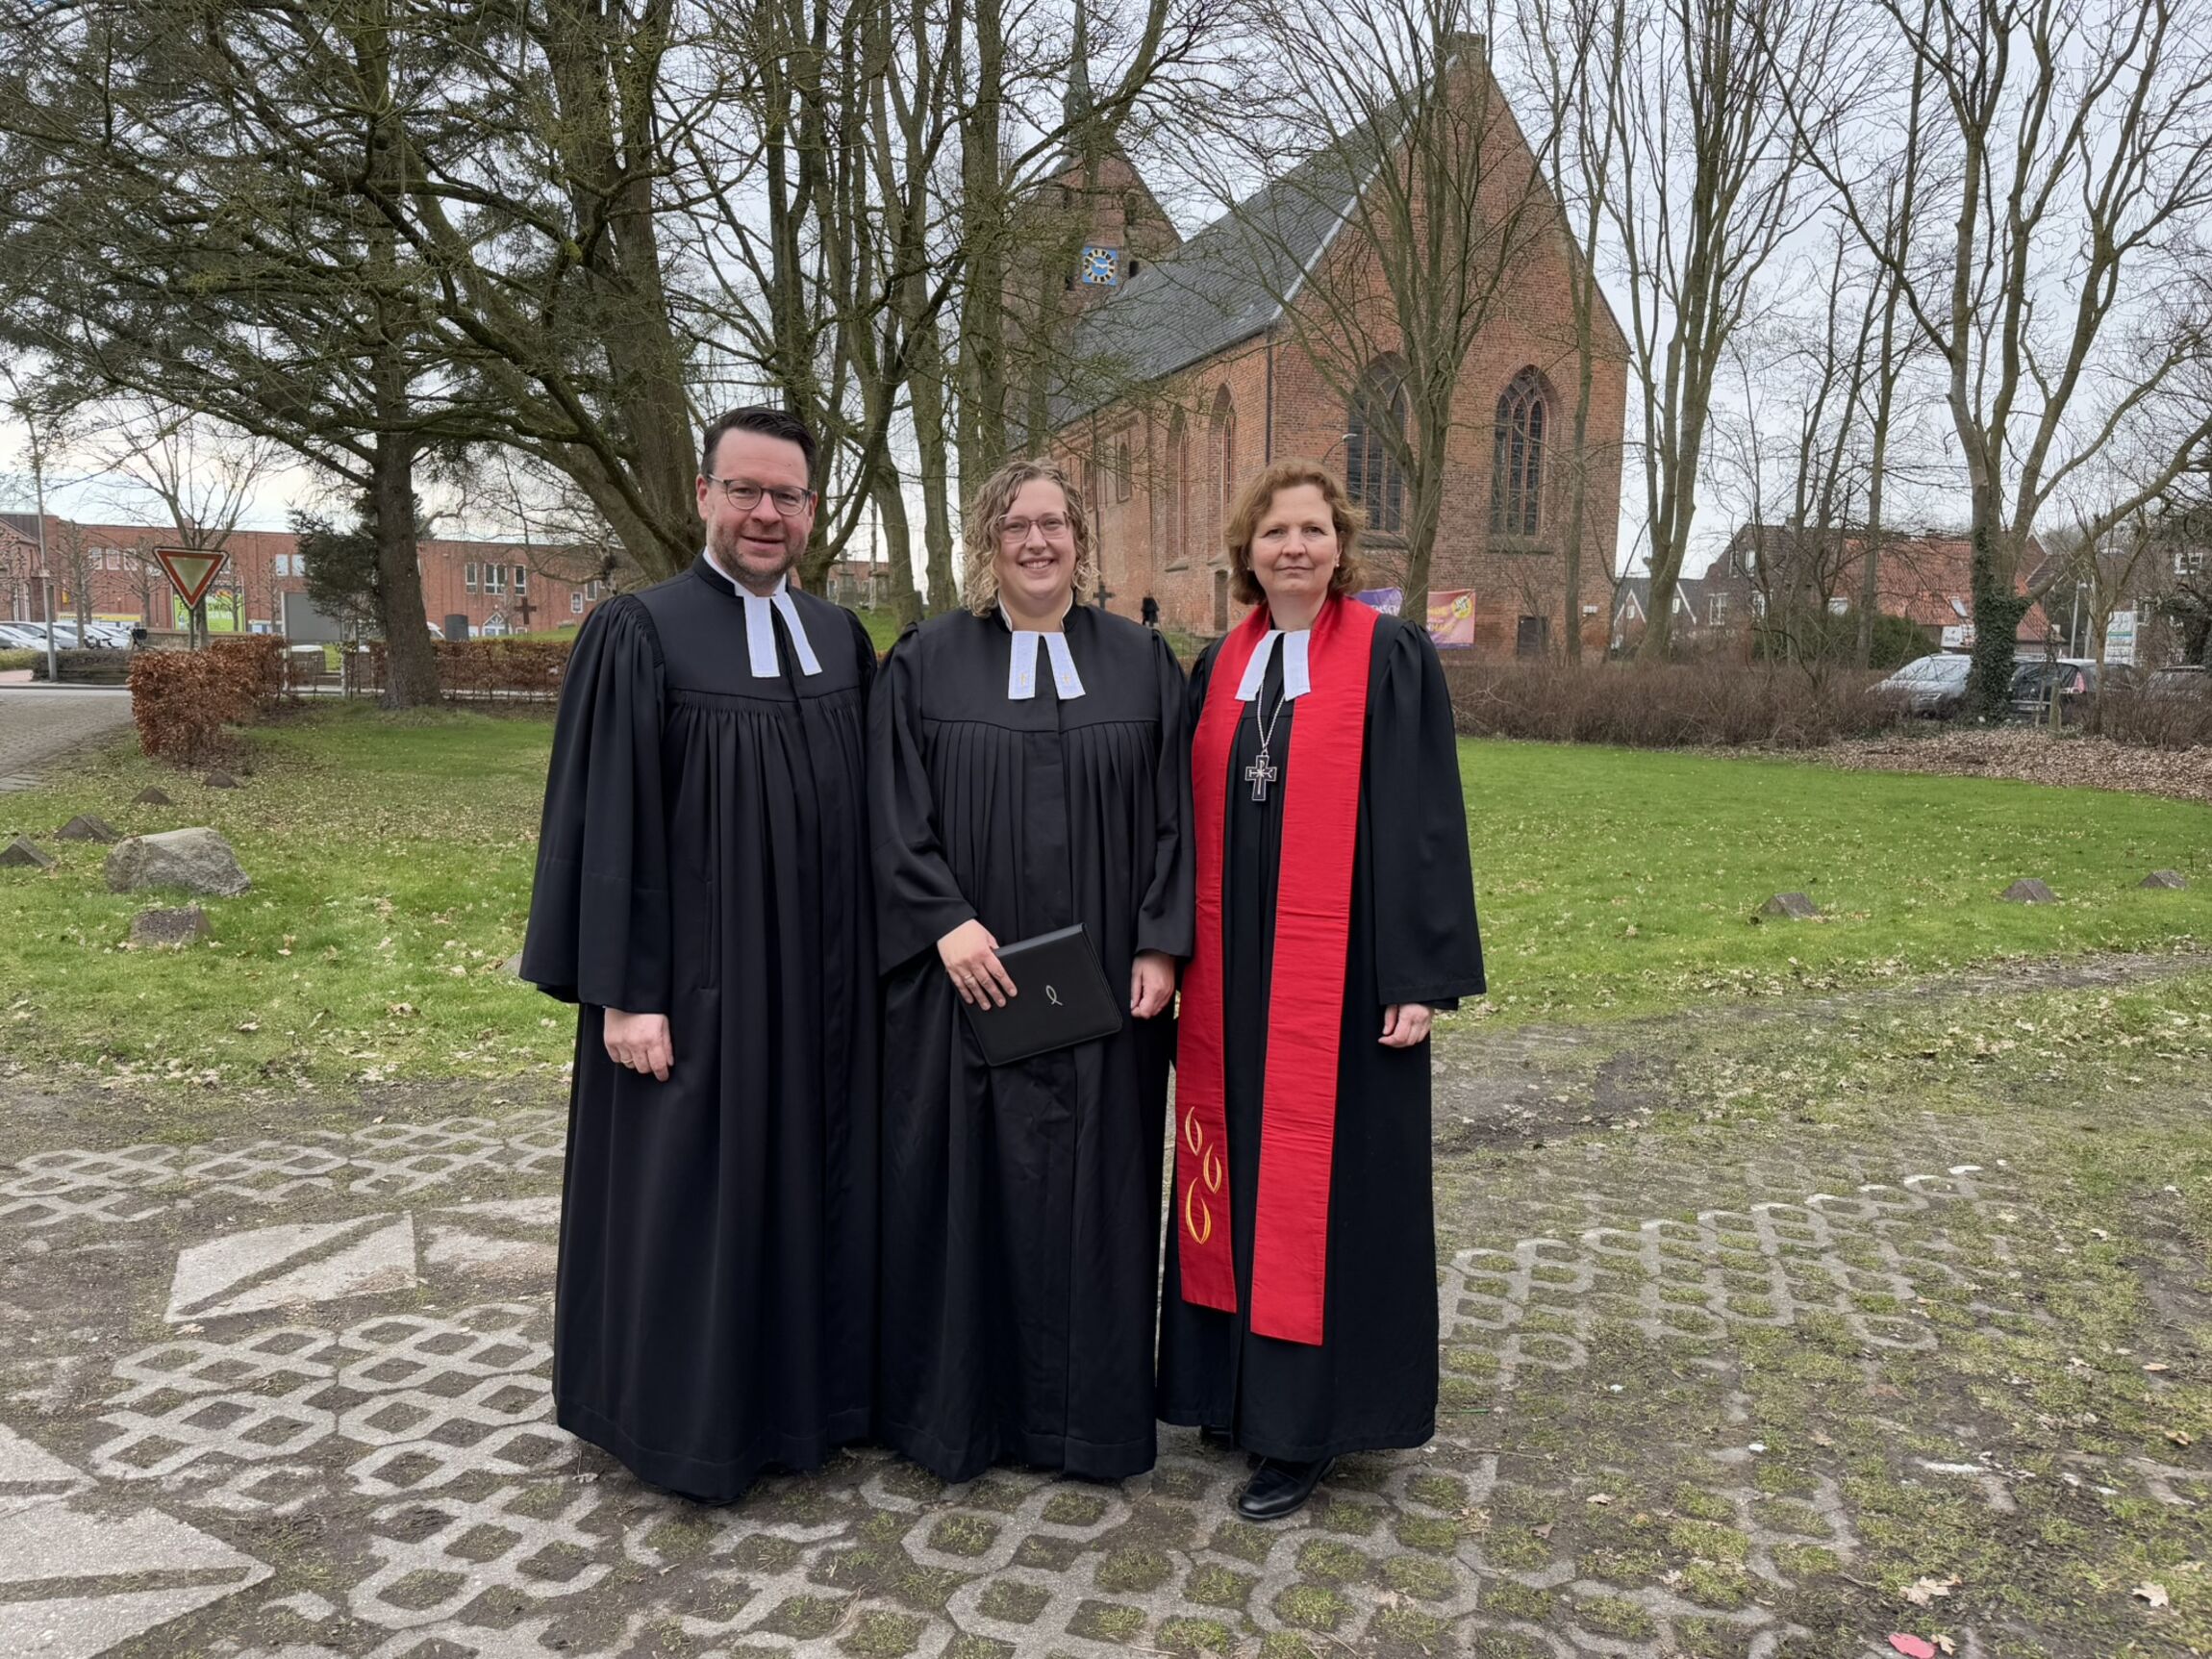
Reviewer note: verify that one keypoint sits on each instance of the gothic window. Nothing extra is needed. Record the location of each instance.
(1224, 458)
(1178, 489)
(1122, 472)
(1516, 469)
(1372, 476)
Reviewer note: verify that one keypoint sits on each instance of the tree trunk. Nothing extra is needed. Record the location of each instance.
(926, 389)
(983, 303)
(1997, 614)
(409, 664)
(897, 542)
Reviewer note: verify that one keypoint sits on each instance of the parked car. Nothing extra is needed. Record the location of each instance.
(32, 636)
(2182, 680)
(1932, 685)
(2066, 682)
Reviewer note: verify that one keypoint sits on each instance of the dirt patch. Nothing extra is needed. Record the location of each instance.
(2031, 757)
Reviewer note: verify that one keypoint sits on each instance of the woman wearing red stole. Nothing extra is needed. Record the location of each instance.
(1335, 913)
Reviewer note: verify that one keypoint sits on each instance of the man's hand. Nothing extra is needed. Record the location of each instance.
(640, 1042)
(1405, 1025)
(971, 956)
(1151, 983)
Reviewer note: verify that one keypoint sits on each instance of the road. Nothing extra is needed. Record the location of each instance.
(39, 724)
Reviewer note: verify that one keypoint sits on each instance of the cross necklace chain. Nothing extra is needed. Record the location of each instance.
(1263, 770)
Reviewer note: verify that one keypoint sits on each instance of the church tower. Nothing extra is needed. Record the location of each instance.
(1078, 241)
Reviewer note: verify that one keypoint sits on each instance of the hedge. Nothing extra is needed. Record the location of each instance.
(1667, 705)
(182, 700)
(488, 668)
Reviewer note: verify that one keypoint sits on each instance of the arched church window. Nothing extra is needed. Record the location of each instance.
(1372, 476)
(1178, 488)
(1517, 466)
(1224, 458)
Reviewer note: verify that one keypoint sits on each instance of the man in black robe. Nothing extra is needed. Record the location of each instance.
(703, 895)
(1027, 781)
(1367, 1380)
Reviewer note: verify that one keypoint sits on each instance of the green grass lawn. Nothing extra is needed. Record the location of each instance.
(392, 861)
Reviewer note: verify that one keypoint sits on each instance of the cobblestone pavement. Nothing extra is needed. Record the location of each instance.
(37, 726)
(283, 1395)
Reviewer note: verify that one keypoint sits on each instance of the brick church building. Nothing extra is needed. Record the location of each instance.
(1189, 376)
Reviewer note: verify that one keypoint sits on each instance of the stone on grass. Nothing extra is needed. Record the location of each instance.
(1791, 906)
(187, 925)
(513, 965)
(196, 860)
(220, 780)
(2028, 891)
(2171, 879)
(24, 851)
(89, 826)
(152, 795)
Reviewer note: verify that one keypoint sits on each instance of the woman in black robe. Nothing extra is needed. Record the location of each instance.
(1029, 771)
(1345, 1359)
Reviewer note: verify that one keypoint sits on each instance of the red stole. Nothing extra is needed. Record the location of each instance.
(1306, 993)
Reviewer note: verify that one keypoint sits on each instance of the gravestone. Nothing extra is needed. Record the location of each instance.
(89, 826)
(23, 851)
(2028, 891)
(2171, 879)
(152, 796)
(196, 860)
(187, 925)
(1791, 907)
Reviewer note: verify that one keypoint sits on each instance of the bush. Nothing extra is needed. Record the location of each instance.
(1833, 637)
(12, 659)
(484, 668)
(182, 700)
(1663, 706)
(2129, 716)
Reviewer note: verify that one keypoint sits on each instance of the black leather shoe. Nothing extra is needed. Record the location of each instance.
(1278, 1489)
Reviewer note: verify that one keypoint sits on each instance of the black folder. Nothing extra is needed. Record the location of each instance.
(1063, 1000)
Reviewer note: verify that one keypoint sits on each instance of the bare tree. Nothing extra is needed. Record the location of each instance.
(1578, 50)
(2065, 142)
(202, 481)
(1711, 185)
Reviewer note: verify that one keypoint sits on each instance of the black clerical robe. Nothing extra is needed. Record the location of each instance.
(1371, 1381)
(704, 856)
(1020, 1220)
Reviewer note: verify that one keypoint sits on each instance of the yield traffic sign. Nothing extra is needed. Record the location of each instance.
(190, 573)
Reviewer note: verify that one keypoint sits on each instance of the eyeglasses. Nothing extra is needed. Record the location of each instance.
(747, 496)
(1015, 531)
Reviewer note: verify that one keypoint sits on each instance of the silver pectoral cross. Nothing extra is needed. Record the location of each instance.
(1261, 773)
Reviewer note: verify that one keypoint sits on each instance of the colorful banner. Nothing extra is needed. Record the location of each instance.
(222, 614)
(1451, 620)
(1388, 601)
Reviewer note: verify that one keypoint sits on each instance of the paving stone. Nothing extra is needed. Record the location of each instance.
(184, 926)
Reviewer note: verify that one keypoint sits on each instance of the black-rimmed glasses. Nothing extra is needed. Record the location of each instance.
(744, 495)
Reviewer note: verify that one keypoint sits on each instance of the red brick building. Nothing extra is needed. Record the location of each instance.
(500, 588)
(1191, 376)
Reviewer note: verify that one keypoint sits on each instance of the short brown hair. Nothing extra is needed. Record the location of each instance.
(980, 584)
(1252, 506)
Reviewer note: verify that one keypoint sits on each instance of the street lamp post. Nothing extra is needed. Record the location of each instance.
(46, 576)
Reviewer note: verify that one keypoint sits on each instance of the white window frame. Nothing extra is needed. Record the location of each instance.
(496, 578)
(468, 578)
(575, 602)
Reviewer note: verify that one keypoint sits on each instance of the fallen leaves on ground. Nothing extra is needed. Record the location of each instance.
(2153, 1593)
(2032, 756)
(1922, 1592)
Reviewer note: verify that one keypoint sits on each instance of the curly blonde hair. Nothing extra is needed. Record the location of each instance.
(980, 585)
(1252, 506)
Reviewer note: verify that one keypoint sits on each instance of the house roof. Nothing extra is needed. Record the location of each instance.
(1224, 285)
